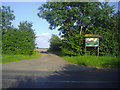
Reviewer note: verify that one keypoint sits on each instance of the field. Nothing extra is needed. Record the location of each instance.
(42, 49)
(13, 58)
(100, 61)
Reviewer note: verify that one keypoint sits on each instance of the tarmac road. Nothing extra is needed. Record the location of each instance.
(51, 71)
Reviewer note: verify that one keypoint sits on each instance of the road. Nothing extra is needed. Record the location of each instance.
(52, 71)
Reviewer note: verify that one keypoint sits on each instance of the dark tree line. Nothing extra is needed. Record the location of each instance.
(19, 40)
(75, 19)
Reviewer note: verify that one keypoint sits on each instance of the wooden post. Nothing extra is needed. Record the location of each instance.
(85, 46)
(98, 51)
(85, 49)
(98, 48)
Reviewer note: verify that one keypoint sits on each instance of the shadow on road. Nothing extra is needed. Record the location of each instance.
(70, 77)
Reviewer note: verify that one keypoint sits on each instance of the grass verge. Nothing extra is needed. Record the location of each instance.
(100, 61)
(13, 58)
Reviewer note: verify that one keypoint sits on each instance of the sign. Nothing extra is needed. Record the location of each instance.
(92, 42)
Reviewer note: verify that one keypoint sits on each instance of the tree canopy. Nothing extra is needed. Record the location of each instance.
(19, 40)
(7, 17)
(75, 19)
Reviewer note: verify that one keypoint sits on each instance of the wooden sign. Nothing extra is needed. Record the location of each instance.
(92, 42)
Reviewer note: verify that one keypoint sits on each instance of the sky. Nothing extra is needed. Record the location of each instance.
(27, 11)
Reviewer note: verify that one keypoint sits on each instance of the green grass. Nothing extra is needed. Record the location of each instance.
(14, 58)
(100, 61)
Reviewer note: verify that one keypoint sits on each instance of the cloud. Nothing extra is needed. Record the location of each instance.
(43, 35)
(42, 40)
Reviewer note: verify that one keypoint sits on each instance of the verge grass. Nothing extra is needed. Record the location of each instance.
(14, 58)
(100, 61)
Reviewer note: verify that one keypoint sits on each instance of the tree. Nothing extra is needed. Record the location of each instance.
(71, 25)
(16, 41)
(75, 19)
(27, 38)
(9, 41)
(7, 17)
(19, 41)
(55, 43)
(7, 31)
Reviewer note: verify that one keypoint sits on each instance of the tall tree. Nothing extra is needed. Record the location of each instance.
(75, 19)
(27, 38)
(16, 41)
(7, 17)
(19, 41)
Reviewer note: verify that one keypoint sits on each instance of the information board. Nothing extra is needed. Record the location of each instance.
(92, 42)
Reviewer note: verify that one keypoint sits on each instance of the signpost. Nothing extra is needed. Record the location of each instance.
(92, 40)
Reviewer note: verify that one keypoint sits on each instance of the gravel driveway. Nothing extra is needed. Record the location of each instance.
(52, 71)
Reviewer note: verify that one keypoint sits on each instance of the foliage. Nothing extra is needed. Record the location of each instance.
(55, 43)
(75, 19)
(100, 61)
(6, 58)
(28, 38)
(6, 18)
(16, 41)
(19, 41)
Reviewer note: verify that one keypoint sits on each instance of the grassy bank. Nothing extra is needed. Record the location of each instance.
(13, 58)
(100, 61)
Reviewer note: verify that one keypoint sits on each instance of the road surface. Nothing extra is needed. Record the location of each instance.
(52, 71)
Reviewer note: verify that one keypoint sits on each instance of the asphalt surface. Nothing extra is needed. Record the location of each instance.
(51, 71)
